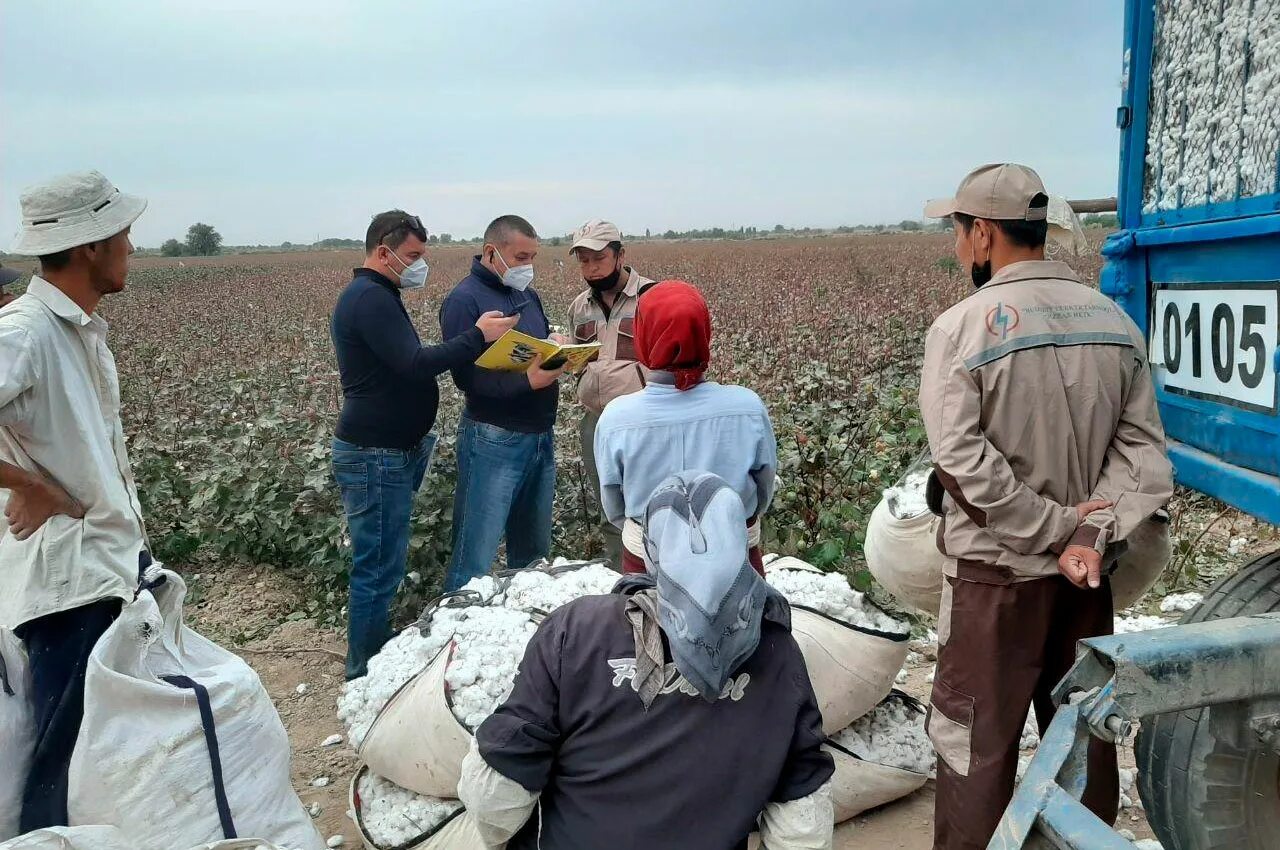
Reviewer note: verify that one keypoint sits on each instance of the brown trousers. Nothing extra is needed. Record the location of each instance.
(1003, 646)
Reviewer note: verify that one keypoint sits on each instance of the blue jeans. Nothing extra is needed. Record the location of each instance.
(378, 486)
(506, 484)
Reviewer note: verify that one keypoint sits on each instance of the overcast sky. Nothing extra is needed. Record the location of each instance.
(287, 120)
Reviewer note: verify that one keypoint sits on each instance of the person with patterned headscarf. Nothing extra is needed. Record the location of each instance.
(675, 712)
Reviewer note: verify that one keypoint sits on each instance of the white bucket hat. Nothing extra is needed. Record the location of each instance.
(70, 210)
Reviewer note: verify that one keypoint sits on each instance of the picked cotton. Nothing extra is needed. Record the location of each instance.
(534, 590)
(1131, 623)
(907, 498)
(1180, 603)
(402, 658)
(830, 594)
(393, 815)
(490, 640)
(891, 734)
(489, 644)
(1030, 733)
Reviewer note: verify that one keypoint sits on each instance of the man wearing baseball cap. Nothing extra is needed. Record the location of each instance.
(605, 312)
(71, 555)
(1048, 451)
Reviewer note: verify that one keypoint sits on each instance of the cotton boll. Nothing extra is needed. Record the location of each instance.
(485, 586)
(891, 734)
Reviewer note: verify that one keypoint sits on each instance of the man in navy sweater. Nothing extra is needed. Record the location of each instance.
(506, 459)
(383, 442)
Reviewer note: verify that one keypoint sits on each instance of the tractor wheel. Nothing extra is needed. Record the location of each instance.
(1201, 793)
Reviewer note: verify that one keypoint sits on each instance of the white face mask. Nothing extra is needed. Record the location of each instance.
(518, 278)
(413, 275)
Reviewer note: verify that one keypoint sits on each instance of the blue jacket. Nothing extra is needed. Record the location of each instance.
(389, 393)
(502, 399)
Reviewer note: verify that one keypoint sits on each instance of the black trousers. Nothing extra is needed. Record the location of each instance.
(58, 647)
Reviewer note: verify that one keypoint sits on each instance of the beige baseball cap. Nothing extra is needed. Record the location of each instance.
(595, 235)
(1002, 191)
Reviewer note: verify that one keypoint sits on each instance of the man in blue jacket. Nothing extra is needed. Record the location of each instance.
(383, 442)
(506, 459)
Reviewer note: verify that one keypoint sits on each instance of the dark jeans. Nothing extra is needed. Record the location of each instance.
(378, 486)
(58, 647)
(506, 485)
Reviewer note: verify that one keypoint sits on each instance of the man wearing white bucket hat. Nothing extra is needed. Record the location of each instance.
(75, 538)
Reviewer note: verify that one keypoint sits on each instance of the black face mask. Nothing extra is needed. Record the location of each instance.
(981, 274)
(607, 282)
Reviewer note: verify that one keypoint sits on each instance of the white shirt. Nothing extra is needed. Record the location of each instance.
(60, 417)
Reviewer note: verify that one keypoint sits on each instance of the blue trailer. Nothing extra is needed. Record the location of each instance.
(1196, 263)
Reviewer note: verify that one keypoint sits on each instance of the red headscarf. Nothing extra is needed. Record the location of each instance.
(673, 331)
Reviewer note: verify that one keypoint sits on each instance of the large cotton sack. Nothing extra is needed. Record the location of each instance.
(859, 785)
(850, 667)
(416, 741)
(903, 556)
(457, 832)
(73, 838)
(1142, 563)
(17, 730)
(180, 744)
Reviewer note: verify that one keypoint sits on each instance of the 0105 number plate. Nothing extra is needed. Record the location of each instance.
(1218, 342)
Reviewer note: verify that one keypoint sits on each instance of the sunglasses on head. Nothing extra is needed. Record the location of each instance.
(409, 222)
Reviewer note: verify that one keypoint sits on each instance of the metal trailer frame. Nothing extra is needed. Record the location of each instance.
(1232, 665)
(1229, 452)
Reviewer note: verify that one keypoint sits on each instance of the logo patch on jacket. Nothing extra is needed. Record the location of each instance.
(1001, 319)
(624, 671)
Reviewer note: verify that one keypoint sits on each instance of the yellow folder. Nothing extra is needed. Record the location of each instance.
(514, 351)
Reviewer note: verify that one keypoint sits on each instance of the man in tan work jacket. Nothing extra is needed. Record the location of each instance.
(605, 312)
(1042, 419)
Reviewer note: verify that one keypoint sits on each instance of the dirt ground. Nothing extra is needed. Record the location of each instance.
(247, 610)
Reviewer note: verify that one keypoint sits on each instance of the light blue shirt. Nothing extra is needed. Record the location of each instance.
(645, 437)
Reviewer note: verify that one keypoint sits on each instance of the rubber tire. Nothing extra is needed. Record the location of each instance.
(1183, 769)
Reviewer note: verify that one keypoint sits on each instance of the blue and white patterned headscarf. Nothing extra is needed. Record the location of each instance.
(709, 601)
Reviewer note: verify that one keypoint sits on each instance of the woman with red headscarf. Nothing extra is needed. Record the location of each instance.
(681, 421)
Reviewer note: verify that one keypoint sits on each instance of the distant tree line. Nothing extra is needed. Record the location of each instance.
(203, 240)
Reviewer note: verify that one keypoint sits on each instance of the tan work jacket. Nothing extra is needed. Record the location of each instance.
(1037, 396)
(616, 371)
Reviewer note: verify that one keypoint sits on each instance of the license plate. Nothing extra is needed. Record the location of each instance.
(1217, 342)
